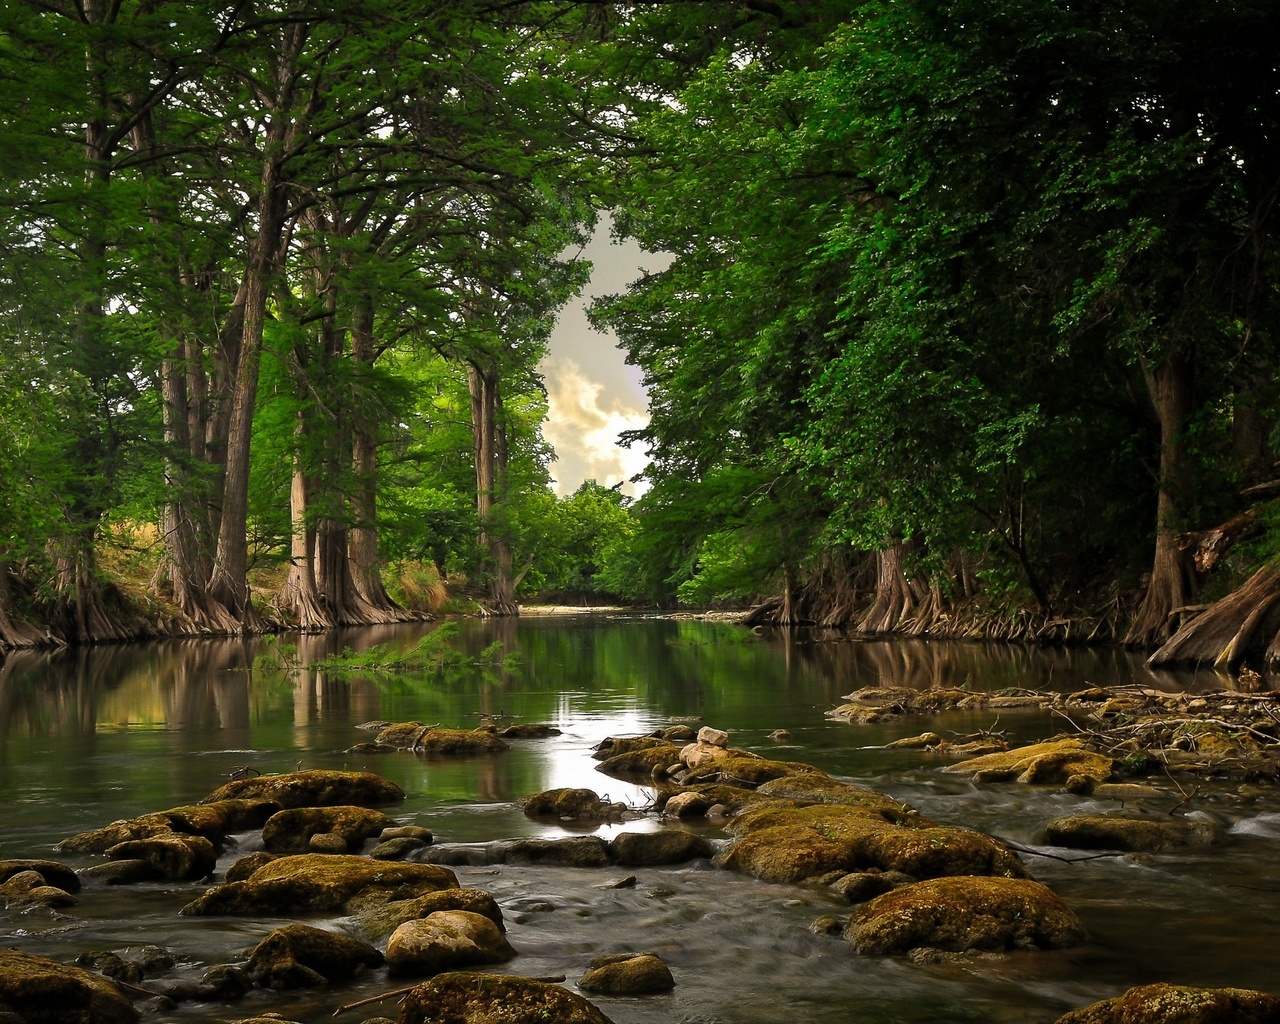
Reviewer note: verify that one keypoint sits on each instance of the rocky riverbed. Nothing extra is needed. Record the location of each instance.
(363, 894)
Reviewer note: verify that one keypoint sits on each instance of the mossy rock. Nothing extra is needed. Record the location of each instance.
(734, 769)
(299, 956)
(670, 846)
(28, 890)
(818, 788)
(433, 739)
(733, 798)
(171, 856)
(43, 991)
(627, 974)
(465, 998)
(290, 831)
(1131, 834)
(795, 843)
(314, 882)
(446, 941)
(246, 866)
(957, 914)
(1180, 1004)
(572, 852)
(576, 804)
(379, 913)
(612, 746)
(313, 788)
(214, 821)
(1049, 763)
(528, 731)
(641, 761)
(52, 872)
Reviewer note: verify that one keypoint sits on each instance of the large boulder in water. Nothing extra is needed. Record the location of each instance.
(495, 999)
(1054, 762)
(445, 941)
(213, 820)
(627, 974)
(318, 882)
(570, 803)
(670, 846)
(433, 739)
(959, 914)
(290, 830)
(51, 872)
(42, 991)
(299, 956)
(314, 788)
(1180, 1004)
(379, 913)
(170, 856)
(790, 844)
(1131, 833)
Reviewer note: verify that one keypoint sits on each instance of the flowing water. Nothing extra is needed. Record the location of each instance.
(88, 737)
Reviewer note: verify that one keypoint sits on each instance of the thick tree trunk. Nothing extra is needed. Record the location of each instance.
(1243, 626)
(489, 444)
(1172, 582)
(299, 598)
(13, 631)
(893, 593)
(362, 543)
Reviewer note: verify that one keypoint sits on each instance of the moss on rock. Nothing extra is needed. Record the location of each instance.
(290, 831)
(1180, 1004)
(1052, 763)
(577, 804)
(958, 914)
(318, 882)
(379, 912)
(313, 788)
(299, 956)
(1130, 833)
(465, 998)
(44, 991)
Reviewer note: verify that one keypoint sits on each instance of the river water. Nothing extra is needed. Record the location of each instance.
(88, 737)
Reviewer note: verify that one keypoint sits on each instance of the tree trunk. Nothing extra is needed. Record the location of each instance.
(299, 598)
(893, 594)
(1242, 626)
(489, 445)
(1172, 582)
(228, 583)
(13, 631)
(362, 541)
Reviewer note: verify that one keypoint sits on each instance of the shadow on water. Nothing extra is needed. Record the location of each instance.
(87, 737)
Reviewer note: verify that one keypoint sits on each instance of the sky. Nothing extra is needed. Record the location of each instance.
(593, 395)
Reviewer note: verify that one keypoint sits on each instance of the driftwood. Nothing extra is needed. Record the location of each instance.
(1208, 546)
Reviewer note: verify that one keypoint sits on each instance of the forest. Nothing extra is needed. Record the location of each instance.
(969, 329)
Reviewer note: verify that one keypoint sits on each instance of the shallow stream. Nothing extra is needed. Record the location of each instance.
(89, 737)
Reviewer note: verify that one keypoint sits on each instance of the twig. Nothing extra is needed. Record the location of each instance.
(400, 993)
(1053, 856)
(135, 990)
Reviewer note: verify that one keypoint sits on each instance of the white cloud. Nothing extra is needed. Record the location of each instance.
(585, 434)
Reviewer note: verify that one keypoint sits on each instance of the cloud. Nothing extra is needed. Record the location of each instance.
(585, 434)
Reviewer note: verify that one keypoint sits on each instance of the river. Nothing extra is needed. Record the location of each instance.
(87, 737)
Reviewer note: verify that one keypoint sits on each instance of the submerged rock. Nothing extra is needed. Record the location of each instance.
(43, 991)
(462, 998)
(290, 831)
(958, 914)
(313, 788)
(445, 941)
(1180, 1004)
(627, 974)
(576, 804)
(299, 956)
(1053, 763)
(318, 882)
(1132, 834)
(528, 731)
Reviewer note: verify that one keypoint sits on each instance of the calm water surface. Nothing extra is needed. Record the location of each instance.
(89, 737)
